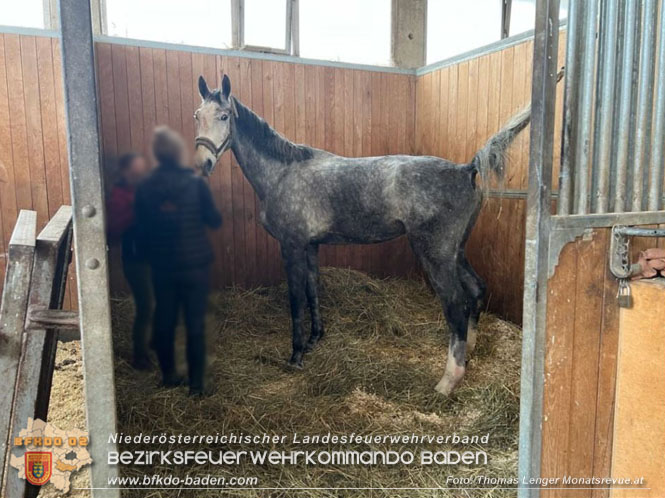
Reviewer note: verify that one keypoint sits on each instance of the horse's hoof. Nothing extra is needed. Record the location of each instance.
(296, 364)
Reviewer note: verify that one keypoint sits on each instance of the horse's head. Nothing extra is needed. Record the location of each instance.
(214, 124)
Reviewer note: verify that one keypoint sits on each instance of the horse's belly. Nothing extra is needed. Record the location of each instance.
(363, 233)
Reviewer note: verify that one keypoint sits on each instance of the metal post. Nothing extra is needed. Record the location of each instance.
(537, 241)
(295, 28)
(657, 151)
(625, 100)
(573, 48)
(644, 101)
(89, 237)
(238, 23)
(609, 28)
(506, 8)
(582, 151)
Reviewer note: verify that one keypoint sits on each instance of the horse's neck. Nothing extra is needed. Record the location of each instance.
(261, 171)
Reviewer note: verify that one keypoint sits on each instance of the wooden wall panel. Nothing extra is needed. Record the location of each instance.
(580, 366)
(449, 113)
(341, 110)
(458, 108)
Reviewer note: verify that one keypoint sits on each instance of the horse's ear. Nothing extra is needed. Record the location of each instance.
(226, 86)
(203, 88)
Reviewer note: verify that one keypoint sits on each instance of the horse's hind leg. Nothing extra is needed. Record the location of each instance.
(295, 260)
(313, 296)
(439, 261)
(476, 289)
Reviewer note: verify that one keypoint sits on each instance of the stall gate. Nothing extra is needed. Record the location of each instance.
(593, 375)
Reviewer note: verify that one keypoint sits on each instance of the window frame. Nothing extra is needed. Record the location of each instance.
(291, 41)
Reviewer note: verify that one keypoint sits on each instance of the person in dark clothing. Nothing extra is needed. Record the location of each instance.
(121, 227)
(174, 208)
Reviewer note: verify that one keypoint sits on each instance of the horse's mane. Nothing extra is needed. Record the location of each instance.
(268, 140)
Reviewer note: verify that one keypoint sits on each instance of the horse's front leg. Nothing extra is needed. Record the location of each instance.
(295, 261)
(313, 296)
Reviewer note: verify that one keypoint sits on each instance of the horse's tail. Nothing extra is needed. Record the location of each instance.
(492, 157)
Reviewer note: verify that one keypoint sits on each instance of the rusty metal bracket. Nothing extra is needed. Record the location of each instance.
(620, 265)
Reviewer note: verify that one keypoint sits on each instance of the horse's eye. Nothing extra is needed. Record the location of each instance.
(224, 117)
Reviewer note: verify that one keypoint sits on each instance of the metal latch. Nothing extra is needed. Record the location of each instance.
(620, 265)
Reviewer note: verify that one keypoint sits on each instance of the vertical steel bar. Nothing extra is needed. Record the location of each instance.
(543, 99)
(644, 102)
(573, 48)
(582, 152)
(85, 172)
(609, 27)
(658, 149)
(625, 100)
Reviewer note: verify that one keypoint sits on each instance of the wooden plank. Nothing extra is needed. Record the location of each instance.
(107, 107)
(558, 372)
(472, 111)
(639, 426)
(135, 99)
(49, 122)
(8, 207)
(17, 119)
(607, 369)
(584, 362)
(51, 261)
(13, 309)
(173, 90)
(121, 99)
(187, 104)
(33, 121)
(161, 87)
(148, 111)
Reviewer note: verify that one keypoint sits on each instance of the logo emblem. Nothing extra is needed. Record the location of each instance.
(38, 467)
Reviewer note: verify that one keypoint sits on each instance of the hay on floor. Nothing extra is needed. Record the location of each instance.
(373, 373)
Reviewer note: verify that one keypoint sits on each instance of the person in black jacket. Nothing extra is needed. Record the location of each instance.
(174, 209)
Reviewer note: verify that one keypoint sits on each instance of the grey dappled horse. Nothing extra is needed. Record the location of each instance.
(310, 196)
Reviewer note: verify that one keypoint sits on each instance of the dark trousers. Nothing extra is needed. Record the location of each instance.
(138, 276)
(186, 290)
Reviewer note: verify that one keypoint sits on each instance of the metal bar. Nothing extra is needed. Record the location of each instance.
(644, 101)
(658, 146)
(625, 100)
(89, 237)
(606, 220)
(583, 129)
(287, 27)
(609, 28)
(641, 232)
(537, 236)
(506, 9)
(295, 28)
(238, 23)
(33, 386)
(13, 309)
(571, 88)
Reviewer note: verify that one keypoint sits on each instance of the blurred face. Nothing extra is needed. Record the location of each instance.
(136, 171)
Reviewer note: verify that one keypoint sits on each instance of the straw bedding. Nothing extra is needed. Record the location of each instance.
(373, 373)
